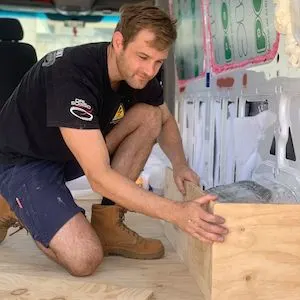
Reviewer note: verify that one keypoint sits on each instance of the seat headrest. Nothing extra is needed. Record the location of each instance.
(10, 30)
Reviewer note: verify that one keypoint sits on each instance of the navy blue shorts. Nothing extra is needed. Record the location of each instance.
(37, 193)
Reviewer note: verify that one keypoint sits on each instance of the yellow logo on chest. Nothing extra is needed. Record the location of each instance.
(119, 114)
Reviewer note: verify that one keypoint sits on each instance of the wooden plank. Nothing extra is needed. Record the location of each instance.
(194, 254)
(261, 256)
(199, 258)
(171, 191)
(18, 287)
(260, 259)
(177, 238)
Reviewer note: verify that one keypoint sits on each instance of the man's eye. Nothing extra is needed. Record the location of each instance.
(143, 57)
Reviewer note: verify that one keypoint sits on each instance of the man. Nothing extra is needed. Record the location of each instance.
(96, 108)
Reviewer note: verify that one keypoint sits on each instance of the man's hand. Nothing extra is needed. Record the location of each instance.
(193, 219)
(182, 173)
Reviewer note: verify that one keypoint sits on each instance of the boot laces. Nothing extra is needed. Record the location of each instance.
(123, 226)
(7, 222)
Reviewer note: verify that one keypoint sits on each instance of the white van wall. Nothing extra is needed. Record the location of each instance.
(224, 145)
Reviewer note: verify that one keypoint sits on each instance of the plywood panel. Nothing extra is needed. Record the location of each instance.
(19, 287)
(260, 258)
(168, 277)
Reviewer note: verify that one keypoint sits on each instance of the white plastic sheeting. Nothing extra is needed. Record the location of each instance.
(248, 132)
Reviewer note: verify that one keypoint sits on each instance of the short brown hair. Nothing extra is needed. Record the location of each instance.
(136, 17)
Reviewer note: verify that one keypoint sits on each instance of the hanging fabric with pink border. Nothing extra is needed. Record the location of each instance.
(240, 33)
(190, 50)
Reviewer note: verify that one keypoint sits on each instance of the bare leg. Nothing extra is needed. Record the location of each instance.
(132, 139)
(130, 142)
(48, 252)
(76, 247)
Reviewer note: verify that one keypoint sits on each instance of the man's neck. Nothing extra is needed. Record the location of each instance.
(113, 73)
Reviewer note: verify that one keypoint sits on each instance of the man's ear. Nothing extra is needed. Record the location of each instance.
(117, 41)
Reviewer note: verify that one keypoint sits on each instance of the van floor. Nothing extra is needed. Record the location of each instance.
(168, 277)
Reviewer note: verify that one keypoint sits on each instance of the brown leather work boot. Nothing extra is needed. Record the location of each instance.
(118, 239)
(7, 219)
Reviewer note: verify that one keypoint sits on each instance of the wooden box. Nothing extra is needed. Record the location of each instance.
(260, 259)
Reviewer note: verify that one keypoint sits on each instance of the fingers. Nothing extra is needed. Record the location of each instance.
(201, 238)
(208, 232)
(196, 179)
(212, 237)
(201, 224)
(211, 218)
(204, 215)
(188, 175)
(213, 228)
(180, 185)
(204, 224)
(206, 199)
(193, 177)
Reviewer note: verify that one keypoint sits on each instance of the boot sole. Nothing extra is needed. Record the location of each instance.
(128, 254)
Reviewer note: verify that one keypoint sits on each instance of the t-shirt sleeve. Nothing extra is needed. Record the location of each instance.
(71, 100)
(151, 94)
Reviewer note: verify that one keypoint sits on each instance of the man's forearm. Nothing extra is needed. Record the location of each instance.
(127, 194)
(171, 143)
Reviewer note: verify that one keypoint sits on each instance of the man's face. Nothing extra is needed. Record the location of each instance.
(140, 62)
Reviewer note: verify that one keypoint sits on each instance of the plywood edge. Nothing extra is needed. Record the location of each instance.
(200, 254)
(170, 189)
(195, 254)
(175, 236)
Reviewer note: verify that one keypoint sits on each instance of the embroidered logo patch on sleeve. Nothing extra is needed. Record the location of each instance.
(80, 109)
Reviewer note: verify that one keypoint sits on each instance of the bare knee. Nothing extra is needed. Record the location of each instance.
(86, 265)
(76, 247)
(151, 119)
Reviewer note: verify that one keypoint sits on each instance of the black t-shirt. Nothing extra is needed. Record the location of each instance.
(69, 87)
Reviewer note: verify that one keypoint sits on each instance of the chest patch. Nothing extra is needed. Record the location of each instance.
(119, 114)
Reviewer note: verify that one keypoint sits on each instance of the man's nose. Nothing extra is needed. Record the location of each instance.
(150, 70)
